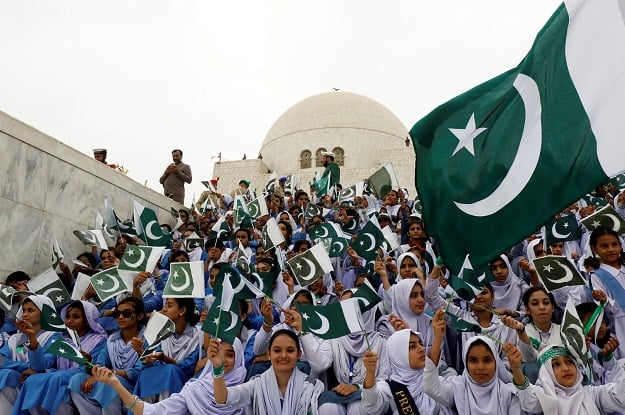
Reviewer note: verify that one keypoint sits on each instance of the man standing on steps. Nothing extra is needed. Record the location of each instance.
(175, 176)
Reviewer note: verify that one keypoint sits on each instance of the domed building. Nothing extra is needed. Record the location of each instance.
(363, 134)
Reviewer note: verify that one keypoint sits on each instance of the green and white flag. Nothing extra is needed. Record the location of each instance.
(383, 181)
(243, 264)
(557, 272)
(547, 130)
(391, 241)
(619, 182)
(349, 193)
(292, 183)
(186, 280)
(57, 254)
(589, 200)
(221, 230)
(368, 240)
(148, 227)
(351, 227)
(140, 258)
(50, 285)
(310, 265)
(468, 324)
(272, 182)
(50, 320)
(321, 186)
(325, 230)
(176, 214)
(158, 328)
(242, 217)
(338, 246)
(193, 242)
(562, 229)
(108, 283)
(113, 222)
(366, 296)
(7, 296)
(345, 316)
(572, 334)
(225, 325)
(271, 235)
(230, 285)
(469, 282)
(258, 208)
(93, 237)
(606, 217)
(312, 210)
(61, 348)
(109, 236)
(417, 207)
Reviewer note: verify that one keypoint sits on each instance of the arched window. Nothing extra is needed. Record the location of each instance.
(305, 159)
(319, 158)
(339, 156)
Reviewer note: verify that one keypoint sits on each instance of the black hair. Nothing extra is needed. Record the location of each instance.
(138, 306)
(288, 333)
(92, 262)
(173, 151)
(601, 231)
(306, 294)
(214, 243)
(17, 276)
(190, 315)
(298, 244)
(526, 300)
(289, 231)
(177, 252)
(477, 343)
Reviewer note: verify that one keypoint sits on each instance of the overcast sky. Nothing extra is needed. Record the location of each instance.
(143, 77)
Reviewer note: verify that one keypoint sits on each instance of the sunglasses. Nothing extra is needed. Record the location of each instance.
(125, 313)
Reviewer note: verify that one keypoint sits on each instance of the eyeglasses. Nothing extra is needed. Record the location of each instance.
(124, 313)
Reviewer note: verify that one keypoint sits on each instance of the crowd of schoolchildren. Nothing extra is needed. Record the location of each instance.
(409, 359)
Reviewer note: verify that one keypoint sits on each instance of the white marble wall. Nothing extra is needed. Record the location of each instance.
(48, 189)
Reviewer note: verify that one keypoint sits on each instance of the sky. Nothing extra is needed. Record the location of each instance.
(143, 77)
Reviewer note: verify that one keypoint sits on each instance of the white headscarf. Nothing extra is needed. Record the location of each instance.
(555, 399)
(400, 259)
(492, 397)
(199, 393)
(20, 339)
(401, 372)
(508, 294)
(400, 304)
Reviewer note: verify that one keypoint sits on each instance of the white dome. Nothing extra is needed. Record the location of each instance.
(355, 124)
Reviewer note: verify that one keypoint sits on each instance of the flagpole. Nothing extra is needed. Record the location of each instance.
(366, 336)
(495, 339)
(486, 309)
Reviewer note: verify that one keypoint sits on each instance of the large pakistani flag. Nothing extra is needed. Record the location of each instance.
(547, 130)
(333, 320)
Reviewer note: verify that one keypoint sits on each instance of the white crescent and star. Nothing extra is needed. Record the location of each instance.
(137, 263)
(148, 230)
(325, 232)
(325, 325)
(525, 160)
(568, 275)
(233, 322)
(616, 224)
(371, 247)
(187, 281)
(115, 286)
(312, 268)
(253, 208)
(557, 234)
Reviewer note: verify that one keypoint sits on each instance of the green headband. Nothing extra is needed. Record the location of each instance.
(551, 353)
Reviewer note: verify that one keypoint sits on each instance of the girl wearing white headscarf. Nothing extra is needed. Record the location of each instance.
(197, 397)
(408, 375)
(508, 291)
(408, 267)
(281, 390)
(25, 352)
(467, 395)
(479, 313)
(559, 389)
